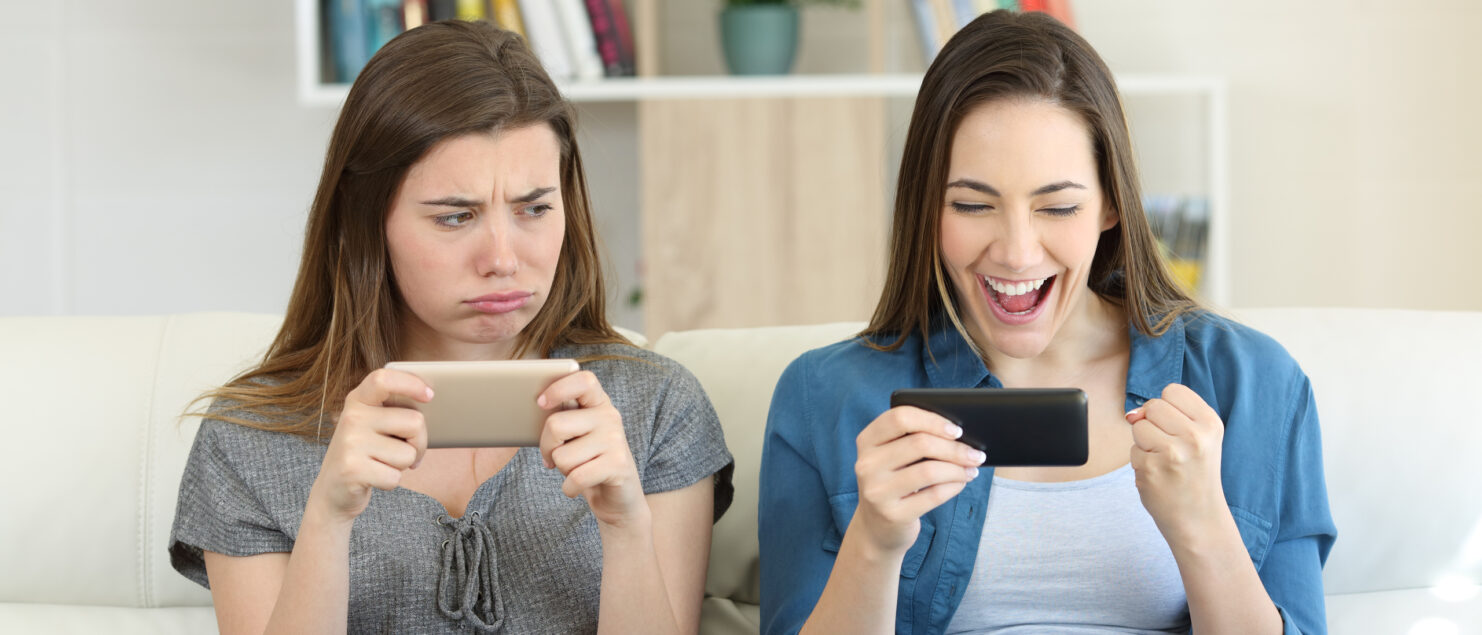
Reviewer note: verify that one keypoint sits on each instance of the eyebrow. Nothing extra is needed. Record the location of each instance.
(452, 201)
(989, 190)
(458, 201)
(534, 195)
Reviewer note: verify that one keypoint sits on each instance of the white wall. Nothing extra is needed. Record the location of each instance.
(156, 158)
(1355, 173)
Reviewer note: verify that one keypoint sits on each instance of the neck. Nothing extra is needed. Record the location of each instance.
(1095, 332)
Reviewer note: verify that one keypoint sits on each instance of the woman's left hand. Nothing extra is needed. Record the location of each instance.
(1176, 453)
(587, 444)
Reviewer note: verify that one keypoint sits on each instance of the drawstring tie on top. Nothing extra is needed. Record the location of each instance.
(467, 588)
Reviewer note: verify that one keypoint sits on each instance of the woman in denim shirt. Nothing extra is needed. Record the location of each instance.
(1021, 257)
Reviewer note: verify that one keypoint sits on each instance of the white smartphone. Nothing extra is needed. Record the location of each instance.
(484, 404)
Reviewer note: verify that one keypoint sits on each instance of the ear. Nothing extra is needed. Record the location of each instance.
(1109, 216)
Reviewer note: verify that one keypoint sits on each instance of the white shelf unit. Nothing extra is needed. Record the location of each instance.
(1215, 281)
(1212, 92)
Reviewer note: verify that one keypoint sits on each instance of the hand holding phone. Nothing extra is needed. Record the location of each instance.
(372, 445)
(589, 445)
(908, 463)
(484, 404)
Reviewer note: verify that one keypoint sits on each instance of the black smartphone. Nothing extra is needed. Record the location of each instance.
(1015, 427)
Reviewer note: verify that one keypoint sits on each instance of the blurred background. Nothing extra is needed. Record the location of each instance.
(160, 155)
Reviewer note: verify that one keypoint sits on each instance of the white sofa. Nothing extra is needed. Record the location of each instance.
(94, 451)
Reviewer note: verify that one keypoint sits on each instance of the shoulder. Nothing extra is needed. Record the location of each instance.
(639, 380)
(852, 362)
(249, 450)
(1222, 343)
(627, 365)
(843, 383)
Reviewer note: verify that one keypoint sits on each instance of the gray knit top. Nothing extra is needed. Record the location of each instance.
(523, 558)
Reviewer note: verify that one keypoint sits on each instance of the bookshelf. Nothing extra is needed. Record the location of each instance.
(726, 233)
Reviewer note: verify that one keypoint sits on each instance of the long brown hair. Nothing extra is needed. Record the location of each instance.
(431, 83)
(1005, 55)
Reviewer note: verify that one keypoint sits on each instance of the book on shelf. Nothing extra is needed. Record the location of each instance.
(938, 20)
(582, 40)
(414, 13)
(1181, 225)
(543, 34)
(471, 10)
(614, 41)
(576, 31)
(506, 13)
(386, 21)
(442, 10)
(347, 23)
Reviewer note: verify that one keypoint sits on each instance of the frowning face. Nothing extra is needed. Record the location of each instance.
(475, 236)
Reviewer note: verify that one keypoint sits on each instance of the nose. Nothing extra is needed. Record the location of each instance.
(1019, 247)
(496, 256)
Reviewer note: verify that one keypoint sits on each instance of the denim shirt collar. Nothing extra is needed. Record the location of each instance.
(950, 361)
(1155, 361)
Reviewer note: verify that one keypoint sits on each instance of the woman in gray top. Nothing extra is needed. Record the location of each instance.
(452, 222)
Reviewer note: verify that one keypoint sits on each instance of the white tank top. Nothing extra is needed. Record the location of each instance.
(1076, 557)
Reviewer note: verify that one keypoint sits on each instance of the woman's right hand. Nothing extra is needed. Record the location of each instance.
(909, 463)
(373, 443)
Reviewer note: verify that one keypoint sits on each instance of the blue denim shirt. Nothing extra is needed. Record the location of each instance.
(1271, 470)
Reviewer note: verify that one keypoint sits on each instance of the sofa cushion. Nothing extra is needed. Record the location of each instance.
(1396, 392)
(739, 368)
(100, 425)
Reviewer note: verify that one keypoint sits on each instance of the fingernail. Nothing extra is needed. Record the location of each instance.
(540, 401)
(429, 393)
(953, 430)
(972, 473)
(978, 456)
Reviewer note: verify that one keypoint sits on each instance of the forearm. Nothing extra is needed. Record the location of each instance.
(315, 594)
(861, 591)
(1225, 593)
(634, 597)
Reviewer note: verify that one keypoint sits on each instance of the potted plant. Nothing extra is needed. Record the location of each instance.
(760, 37)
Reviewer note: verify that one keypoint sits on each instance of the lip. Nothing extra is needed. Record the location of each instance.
(1004, 316)
(496, 303)
(1013, 281)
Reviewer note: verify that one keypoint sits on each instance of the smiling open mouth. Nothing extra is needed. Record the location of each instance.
(1018, 298)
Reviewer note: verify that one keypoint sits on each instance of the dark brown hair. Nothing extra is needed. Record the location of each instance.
(1006, 55)
(432, 83)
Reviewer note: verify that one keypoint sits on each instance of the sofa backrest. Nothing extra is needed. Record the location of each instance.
(739, 368)
(1397, 392)
(97, 448)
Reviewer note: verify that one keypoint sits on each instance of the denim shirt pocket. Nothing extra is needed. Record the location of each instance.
(1255, 531)
(843, 506)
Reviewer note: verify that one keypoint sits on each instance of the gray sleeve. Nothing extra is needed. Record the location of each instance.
(687, 442)
(219, 509)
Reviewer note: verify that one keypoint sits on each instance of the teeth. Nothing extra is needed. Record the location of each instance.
(1015, 288)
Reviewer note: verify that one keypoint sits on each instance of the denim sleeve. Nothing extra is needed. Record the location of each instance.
(1292, 569)
(793, 518)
